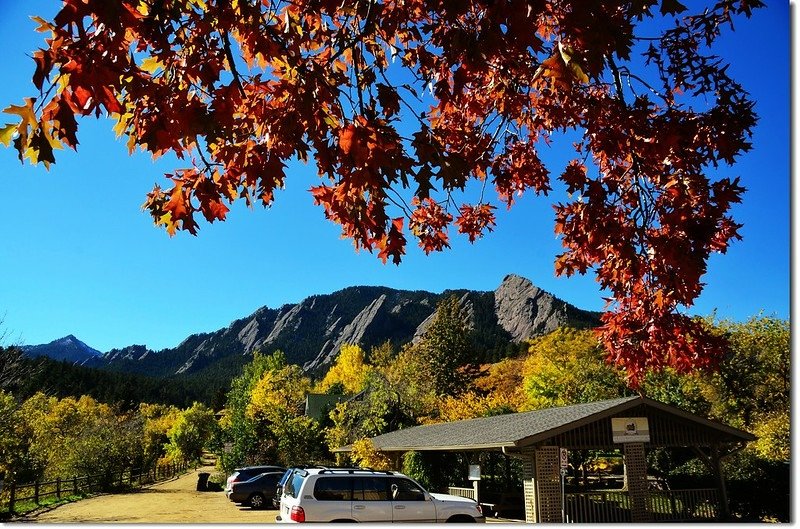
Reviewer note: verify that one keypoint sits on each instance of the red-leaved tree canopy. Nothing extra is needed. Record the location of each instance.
(404, 103)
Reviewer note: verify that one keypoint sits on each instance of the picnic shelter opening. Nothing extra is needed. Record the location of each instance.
(543, 439)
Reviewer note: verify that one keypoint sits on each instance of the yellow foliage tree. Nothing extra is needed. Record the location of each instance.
(567, 367)
(79, 436)
(774, 436)
(470, 405)
(279, 393)
(410, 377)
(364, 454)
(503, 381)
(350, 370)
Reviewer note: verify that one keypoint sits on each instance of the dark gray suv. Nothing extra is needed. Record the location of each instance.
(257, 492)
(245, 473)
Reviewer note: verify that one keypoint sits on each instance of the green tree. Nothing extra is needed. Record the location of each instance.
(263, 415)
(16, 462)
(754, 379)
(446, 348)
(190, 432)
(300, 441)
(238, 434)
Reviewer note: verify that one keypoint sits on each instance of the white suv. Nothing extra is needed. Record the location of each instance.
(364, 495)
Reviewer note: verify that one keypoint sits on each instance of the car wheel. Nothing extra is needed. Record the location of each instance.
(257, 501)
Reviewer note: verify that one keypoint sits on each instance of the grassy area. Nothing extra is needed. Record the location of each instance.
(28, 506)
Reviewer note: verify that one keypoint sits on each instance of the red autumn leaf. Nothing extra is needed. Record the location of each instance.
(346, 135)
(177, 205)
(389, 99)
(474, 220)
(44, 63)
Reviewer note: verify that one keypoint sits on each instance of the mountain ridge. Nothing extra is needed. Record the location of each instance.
(312, 332)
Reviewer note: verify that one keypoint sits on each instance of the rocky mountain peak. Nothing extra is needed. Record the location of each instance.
(524, 310)
(68, 348)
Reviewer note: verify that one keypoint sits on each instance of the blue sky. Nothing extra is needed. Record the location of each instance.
(78, 256)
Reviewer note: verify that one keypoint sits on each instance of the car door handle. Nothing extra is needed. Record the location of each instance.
(359, 507)
(399, 506)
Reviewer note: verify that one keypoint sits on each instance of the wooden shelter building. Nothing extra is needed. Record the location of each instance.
(632, 424)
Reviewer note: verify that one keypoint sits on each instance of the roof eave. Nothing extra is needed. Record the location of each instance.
(417, 448)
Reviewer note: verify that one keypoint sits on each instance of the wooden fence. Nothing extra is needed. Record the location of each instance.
(464, 492)
(663, 506)
(15, 493)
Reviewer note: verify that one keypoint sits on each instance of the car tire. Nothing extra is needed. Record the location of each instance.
(257, 501)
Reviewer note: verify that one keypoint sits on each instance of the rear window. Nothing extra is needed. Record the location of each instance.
(293, 484)
(338, 488)
(285, 476)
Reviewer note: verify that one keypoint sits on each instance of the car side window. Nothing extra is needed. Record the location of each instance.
(338, 488)
(406, 490)
(373, 489)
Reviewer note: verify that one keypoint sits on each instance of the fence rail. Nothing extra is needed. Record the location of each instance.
(14, 493)
(464, 492)
(663, 506)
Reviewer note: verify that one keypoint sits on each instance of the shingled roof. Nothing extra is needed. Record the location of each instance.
(521, 429)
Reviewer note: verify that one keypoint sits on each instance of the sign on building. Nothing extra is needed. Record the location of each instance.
(563, 457)
(474, 473)
(630, 430)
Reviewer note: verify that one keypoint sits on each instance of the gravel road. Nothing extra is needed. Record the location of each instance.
(173, 501)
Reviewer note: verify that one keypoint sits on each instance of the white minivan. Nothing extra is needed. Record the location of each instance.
(364, 495)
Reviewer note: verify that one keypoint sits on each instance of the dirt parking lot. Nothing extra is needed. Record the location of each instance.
(173, 501)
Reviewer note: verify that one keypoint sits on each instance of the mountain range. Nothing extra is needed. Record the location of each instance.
(312, 332)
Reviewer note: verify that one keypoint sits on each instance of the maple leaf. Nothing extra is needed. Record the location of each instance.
(346, 135)
(389, 99)
(44, 63)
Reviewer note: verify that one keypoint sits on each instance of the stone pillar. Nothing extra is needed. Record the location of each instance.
(548, 485)
(636, 470)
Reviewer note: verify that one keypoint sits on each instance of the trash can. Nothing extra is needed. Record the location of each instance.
(202, 481)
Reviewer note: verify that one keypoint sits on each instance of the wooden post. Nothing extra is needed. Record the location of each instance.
(636, 467)
(58, 488)
(723, 492)
(12, 496)
(36, 492)
(75, 484)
